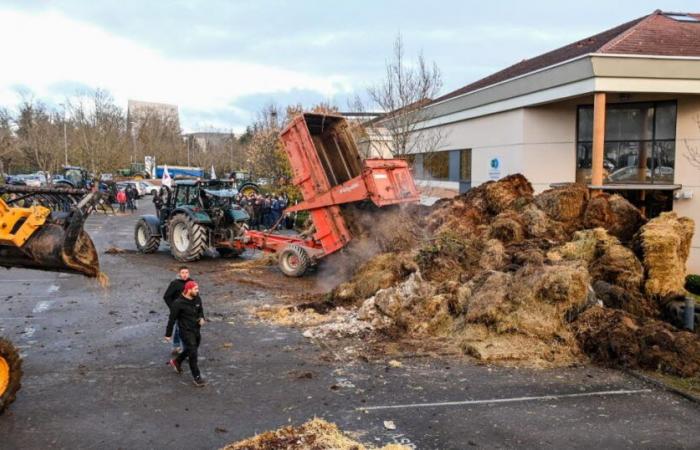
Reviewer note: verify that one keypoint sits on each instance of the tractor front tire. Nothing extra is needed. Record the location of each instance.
(145, 242)
(10, 373)
(188, 240)
(294, 261)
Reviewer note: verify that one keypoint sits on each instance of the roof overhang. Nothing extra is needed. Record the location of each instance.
(584, 75)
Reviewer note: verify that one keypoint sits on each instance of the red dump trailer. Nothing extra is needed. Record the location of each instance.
(328, 170)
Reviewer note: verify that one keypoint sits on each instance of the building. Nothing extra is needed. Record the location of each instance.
(619, 111)
(202, 141)
(138, 112)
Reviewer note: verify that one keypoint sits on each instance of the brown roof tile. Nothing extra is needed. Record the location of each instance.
(654, 34)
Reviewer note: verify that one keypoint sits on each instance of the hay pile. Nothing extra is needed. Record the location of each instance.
(664, 244)
(315, 434)
(505, 274)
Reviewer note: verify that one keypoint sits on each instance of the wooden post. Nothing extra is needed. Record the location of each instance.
(598, 138)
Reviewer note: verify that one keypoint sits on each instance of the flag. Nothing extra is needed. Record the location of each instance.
(166, 180)
(213, 174)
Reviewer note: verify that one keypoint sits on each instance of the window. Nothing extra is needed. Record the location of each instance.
(436, 166)
(465, 165)
(640, 143)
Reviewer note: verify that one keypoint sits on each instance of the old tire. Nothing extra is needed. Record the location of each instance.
(294, 261)
(145, 242)
(249, 189)
(10, 373)
(188, 240)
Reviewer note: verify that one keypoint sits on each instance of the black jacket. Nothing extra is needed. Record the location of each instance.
(174, 290)
(187, 314)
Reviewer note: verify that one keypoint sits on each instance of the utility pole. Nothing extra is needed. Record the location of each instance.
(189, 145)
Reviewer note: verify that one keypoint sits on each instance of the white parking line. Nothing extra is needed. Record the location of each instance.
(508, 400)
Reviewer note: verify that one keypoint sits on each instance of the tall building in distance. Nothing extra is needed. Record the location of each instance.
(139, 111)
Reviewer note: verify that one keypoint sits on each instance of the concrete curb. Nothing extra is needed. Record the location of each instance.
(664, 386)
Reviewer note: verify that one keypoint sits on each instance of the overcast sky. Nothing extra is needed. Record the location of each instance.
(222, 61)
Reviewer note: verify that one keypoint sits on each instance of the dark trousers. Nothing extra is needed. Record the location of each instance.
(190, 342)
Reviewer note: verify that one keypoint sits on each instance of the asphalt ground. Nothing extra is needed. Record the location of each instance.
(95, 375)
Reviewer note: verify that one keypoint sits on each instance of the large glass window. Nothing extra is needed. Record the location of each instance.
(465, 165)
(640, 143)
(436, 166)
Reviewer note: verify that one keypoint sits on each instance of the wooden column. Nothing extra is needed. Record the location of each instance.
(598, 138)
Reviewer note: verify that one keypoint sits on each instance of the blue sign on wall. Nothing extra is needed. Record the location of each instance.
(495, 169)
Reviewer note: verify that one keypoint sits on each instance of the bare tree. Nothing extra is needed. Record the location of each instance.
(38, 135)
(8, 141)
(693, 151)
(402, 96)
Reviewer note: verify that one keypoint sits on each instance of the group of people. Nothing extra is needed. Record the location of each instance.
(126, 198)
(185, 319)
(264, 210)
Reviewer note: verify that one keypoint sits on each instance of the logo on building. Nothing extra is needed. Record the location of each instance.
(495, 169)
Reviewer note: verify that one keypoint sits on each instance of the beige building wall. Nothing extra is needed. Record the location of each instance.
(687, 137)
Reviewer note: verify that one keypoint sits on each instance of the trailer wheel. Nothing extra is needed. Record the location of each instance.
(188, 240)
(249, 189)
(10, 373)
(294, 261)
(145, 242)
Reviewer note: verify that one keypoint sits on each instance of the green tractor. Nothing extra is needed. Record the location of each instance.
(137, 171)
(196, 215)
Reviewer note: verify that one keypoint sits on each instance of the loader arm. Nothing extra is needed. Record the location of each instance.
(45, 237)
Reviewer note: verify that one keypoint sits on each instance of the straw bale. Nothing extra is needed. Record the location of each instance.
(539, 225)
(615, 214)
(315, 434)
(664, 243)
(614, 337)
(493, 255)
(565, 204)
(507, 228)
(507, 193)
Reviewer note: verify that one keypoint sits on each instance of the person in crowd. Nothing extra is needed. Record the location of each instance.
(121, 200)
(130, 197)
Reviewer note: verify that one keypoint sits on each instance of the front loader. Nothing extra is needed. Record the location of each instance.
(41, 228)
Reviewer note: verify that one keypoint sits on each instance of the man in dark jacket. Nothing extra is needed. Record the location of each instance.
(187, 311)
(174, 290)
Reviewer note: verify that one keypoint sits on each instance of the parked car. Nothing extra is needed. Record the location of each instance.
(148, 188)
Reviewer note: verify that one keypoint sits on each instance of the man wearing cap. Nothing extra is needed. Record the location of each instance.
(187, 311)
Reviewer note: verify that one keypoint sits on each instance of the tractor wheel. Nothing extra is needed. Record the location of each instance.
(226, 252)
(145, 242)
(249, 189)
(10, 373)
(294, 261)
(188, 240)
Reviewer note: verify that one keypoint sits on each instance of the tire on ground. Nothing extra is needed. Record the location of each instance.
(196, 241)
(10, 373)
(145, 242)
(294, 261)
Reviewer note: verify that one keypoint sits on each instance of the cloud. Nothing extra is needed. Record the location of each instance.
(62, 51)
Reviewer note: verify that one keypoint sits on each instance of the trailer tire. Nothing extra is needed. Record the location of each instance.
(10, 373)
(188, 240)
(145, 241)
(294, 261)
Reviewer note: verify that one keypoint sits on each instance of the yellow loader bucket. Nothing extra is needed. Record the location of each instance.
(37, 238)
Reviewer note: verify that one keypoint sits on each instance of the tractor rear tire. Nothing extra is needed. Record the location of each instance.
(188, 240)
(10, 373)
(145, 242)
(249, 189)
(294, 261)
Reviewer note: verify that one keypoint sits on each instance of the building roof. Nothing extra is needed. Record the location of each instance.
(659, 33)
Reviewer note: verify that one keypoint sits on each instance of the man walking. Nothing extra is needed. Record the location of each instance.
(187, 311)
(174, 291)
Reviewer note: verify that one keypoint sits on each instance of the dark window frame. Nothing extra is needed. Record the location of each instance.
(653, 141)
